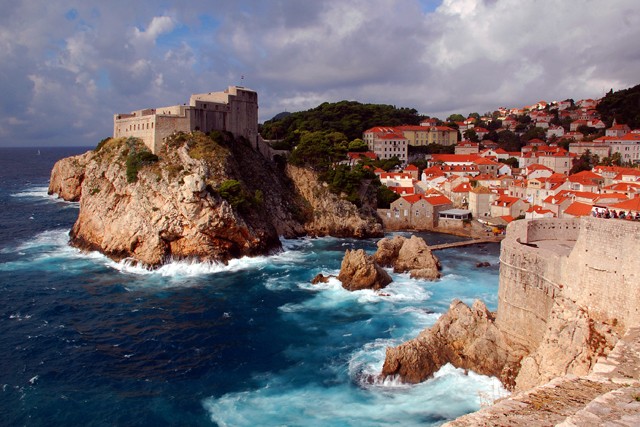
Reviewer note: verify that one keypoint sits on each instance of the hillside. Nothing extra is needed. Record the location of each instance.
(623, 106)
(350, 118)
(209, 198)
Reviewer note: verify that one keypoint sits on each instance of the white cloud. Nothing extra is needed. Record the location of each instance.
(451, 56)
(158, 26)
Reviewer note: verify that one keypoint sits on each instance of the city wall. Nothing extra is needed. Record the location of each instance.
(590, 261)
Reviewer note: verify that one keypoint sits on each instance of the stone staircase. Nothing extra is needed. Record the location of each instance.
(608, 396)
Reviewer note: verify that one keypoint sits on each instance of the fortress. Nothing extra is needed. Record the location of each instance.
(234, 110)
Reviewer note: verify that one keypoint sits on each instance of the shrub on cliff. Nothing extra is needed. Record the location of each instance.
(136, 160)
(233, 192)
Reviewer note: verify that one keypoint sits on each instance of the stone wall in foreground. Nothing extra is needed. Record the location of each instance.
(591, 262)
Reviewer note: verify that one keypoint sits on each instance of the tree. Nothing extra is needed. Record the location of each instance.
(471, 135)
(511, 161)
(533, 133)
(455, 118)
(358, 146)
(583, 163)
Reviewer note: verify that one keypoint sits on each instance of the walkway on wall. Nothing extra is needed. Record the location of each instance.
(496, 239)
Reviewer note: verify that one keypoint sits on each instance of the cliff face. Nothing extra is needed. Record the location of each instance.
(200, 199)
(568, 290)
(330, 215)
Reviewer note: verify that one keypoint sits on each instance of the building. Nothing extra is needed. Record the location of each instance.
(414, 212)
(386, 143)
(235, 110)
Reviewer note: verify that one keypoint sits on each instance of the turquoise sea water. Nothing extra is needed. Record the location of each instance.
(86, 341)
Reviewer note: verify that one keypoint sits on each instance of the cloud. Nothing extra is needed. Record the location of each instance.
(158, 26)
(65, 74)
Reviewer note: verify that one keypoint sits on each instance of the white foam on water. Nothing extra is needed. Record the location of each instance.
(451, 393)
(40, 192)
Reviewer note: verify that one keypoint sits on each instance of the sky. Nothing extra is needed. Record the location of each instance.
(66, 67)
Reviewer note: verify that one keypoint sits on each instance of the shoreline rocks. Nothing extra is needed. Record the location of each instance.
(408, 255)
(360, 271)
(466, 337)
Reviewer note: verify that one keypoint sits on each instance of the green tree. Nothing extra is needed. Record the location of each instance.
(358, 146)
(471, 135)
(455, 118)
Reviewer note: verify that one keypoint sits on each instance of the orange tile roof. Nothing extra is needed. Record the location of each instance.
(578, 209)
(630, 204)
(438, 200)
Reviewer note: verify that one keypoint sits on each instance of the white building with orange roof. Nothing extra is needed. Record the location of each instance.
(508, 206)
(480, 199)
(413, 171)
(467, 147)
(628, 146)
(617, 130)
(538, 212)
(414, 212)
(386, 143)
(586, 181)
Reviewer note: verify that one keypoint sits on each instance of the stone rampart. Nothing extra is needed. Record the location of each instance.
(590, 261)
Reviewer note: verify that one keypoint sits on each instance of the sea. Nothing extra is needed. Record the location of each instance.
(86, 341)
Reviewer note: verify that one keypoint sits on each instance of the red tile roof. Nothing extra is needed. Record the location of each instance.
(578, 209)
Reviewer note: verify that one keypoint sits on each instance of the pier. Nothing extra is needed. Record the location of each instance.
(497, 239)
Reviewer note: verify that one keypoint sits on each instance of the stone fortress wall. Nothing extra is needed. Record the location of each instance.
(590, 261)
(234, 110)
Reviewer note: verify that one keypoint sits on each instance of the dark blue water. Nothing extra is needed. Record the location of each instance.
(86, 341)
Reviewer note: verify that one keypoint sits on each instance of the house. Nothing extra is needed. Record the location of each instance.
(353, 158)
(585, 181)
(487, 166)
(386, 143)
(557, 131)
(557, 204)
(414, 212)
(536, 170)
(617, 130)
(577, 209)
(511, 206)
(412, 170)
(467, 147)
(537, 212)
(480, 199)
(597, 147)
(392, 180)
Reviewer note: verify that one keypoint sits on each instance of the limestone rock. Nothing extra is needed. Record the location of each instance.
(67, 176)
(170, 212)
(388, 250)
(320, 278)
(408, 255)
(465, 337)
(572, 344)
(360, 271)
(329, 214)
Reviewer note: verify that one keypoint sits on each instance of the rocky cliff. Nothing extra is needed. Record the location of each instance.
(568, 291)
(202, 199)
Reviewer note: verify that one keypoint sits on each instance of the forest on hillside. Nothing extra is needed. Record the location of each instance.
(623, 106)
(350, 118)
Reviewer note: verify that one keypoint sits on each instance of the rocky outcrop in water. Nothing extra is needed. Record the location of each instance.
(465, 337)
(360, 271)
(567, 293)
(201, 199)
(408, 255)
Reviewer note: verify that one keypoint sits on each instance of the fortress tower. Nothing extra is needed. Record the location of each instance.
(234, 110)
